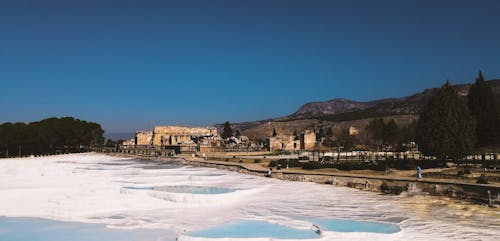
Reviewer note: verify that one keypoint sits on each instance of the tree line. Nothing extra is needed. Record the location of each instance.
(451, 127)
(49, 136)
(390, 134)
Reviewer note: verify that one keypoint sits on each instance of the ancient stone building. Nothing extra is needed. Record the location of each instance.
(305, 141)
(353, 131)
(287, 143)
(209, 145)
(130, 142)
(176, 135)
(144, 138)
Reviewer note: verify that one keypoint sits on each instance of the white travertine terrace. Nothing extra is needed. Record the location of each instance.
(91, 188)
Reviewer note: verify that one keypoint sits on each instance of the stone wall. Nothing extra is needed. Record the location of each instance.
(143, 138)
(130, 142)
(185, 130)
(175, 135)
(307, 140)
(482, 193)
(471, 192)
(283, 143)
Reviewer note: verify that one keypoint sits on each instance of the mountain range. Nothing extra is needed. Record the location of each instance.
(343, 111)
(406, 105)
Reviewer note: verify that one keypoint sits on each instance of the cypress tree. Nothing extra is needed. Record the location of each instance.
(446, 127)
(376, 129)
(227, 131)
(482, 105)
(345, 140)
(329, 132)
(391, 133)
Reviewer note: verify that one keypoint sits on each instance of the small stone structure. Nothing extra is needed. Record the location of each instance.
(143, 138)
(130, 142)
(282, 143)
(353, 131)
(305, 141)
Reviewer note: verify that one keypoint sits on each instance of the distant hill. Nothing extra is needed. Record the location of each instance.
(345, 110)
(396, 106)
(335, 106)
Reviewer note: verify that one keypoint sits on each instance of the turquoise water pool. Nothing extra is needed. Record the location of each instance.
(31, 229)
(254, 229)
(186, 189)
(342, 225)
(261, 229)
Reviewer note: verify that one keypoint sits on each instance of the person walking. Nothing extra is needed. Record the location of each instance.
(419, 172)
(270, 172)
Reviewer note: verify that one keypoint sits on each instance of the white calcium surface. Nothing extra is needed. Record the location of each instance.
(90, 188)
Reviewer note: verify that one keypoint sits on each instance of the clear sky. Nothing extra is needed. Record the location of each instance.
(134, 64)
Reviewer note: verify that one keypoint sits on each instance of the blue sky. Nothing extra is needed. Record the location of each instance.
(134, 64)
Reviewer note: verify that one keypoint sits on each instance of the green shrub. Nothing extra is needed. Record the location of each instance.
(289, 162)
(347, 166)
(482, 179)
(293, 163)
(464, 172)
(316, 165)
(281, 162)
(379, 165)
(407, 164)
(384, 187)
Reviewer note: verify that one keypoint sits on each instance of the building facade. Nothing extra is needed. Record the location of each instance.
(143, 138)
(177, 135)
(306, 141)
(178, 138)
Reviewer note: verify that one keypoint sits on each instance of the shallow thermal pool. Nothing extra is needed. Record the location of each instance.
(98, 197)
(342, 225)
(30, 229)
(254, 229)
(261, 229)
(186, 189)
